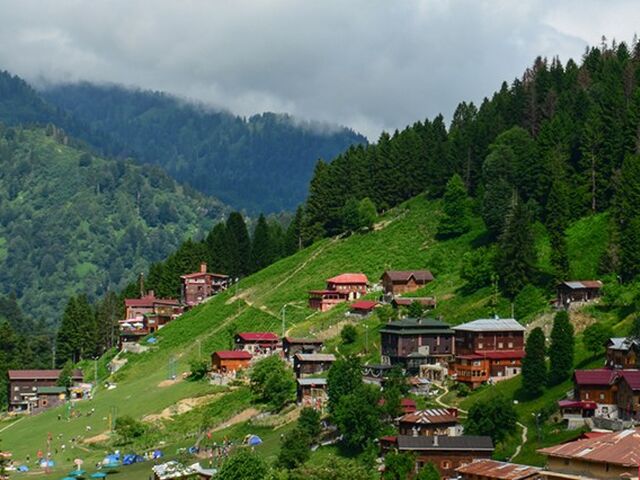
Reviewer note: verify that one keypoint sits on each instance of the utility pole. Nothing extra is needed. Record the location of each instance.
(366, 338)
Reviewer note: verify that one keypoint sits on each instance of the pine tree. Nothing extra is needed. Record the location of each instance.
(293, 237)
(534, 367)
(557, 219)
(627, 214)
(562, 349)
(455, 219)
(67, 339)
(497, 188)
(239, 245)
(218, 254)
(108, 312)
(516, 256)
(261, 249)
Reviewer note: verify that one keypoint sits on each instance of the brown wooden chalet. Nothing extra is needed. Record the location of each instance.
(577, 291)
(198, 286)
(486, 469)
(305, 364)
(31, 390)
(412, 342)
(445, 452)
(488, 350)
(399, 282)
(433, 421)
(144, 316)
(257, 342)
(312, 392)
(594, 394)
(628, 394)
(342, 288)
(622, 353)
(228, 361)
(291, 346)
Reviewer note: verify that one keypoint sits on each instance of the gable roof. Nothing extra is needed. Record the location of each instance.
(204, 274)
(232, 354)
(364, 305)
(493, 469)
(348, 278)
(411, 326)
(40, 374)
(312, 382)
(596, 376)
(578, 284)
(632, 377)
(420, 276)
(315, 357)
(619, 448)
(429, 417)
(258, 336)
(491, 325)
(434, 443)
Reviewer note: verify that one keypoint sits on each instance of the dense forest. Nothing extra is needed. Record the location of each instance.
(72, 222)
(559, 143)
(261, 164)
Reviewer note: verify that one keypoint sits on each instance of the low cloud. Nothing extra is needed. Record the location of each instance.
(367, 64)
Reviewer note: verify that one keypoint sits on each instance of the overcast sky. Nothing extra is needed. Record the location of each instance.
(367, 64)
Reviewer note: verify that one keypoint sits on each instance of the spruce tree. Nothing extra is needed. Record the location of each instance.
(455, 219)
(239, 245)
(627, 214)
(497, 188)
(557, 219)
(218, 253)
(516, 256)
(534, 367)
(561, 351)
(293, 237)
(261, 246)
(68, 336)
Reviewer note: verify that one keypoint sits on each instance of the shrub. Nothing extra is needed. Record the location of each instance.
(348, 334)
(199, 369)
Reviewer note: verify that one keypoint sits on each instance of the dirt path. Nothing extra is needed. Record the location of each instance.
(439, 401)
(182, 406)
(12, 424)
(243, 416)
(523, 440)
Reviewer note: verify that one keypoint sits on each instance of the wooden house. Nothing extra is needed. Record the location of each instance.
(25, 394)
(146, 315)
(622, 353)
(227, 361)
(292, 346)
(312, 392)
(363, 307)
(198, 286)
(257, 342)
(447, 453)
(579, 292)
(488, 350)
(486, 469)
(305, 364)
(339, 289)
(433, 421)
(398, 282)
(411, 342)
(628, 394)
(604, 457)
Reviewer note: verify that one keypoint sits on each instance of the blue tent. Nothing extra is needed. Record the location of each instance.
(47, 463)
(254, 440)
(131, 459)
(157, 454)
(152, 340)
(23, 468)
(193, 450)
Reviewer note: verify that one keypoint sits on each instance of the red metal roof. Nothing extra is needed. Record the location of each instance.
(577, 404)
(501, 354)
(39, 374)
(349, 278)
(619, 448)
(149, 301)
(485, 468)
(364, 305)
(632, 377)
(597, 376)
(233, 355)
(259, 337)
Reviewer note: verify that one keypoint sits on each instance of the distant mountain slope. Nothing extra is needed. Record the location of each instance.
(72, 222)
(263, 163)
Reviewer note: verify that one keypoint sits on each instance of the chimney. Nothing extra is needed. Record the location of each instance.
(151, 294)
(203, 267)
(435, 441)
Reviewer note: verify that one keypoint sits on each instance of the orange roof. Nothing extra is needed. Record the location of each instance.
(349, 278)
(486, 468)
(619, 448)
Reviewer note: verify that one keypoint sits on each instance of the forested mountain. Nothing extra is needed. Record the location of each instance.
(559, 143)
(73, 223)
(262, 164)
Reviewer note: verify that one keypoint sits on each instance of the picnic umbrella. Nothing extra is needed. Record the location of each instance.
(77, 473)
(69, 478)
(98, 475)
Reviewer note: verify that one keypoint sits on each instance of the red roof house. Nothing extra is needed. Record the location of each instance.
(341, 288)
(198, 286)
(363, 307)
(257, 342)
(225, 361)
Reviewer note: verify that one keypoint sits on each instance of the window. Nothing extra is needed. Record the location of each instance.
(586, 396)
(510, 344)
(445, 464)
(16, 389)
(480, 346)
(500, 345)
(602, 396)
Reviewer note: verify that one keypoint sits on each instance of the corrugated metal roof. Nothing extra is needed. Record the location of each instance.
(632, 377)
(491, 325)
(312, 381)
(258, 336)
(364, 305)
(316, 357)
(39, 374)
(429, 416)
(404, 276)
(233, 354)
(578, 284)
(619, 448)
(464, 442)
(597, 376)
(498, 470)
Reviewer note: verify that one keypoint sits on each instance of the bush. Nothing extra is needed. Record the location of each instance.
(309, 422)
(199, 369)
(530, 300)
(477, 268)
(244, 465)
(129, 429)
(348, 334)
(294, 450)
(272, 382)
(494, 417)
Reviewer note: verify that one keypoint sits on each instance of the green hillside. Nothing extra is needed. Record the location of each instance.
(403, 238)
(75, 223)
